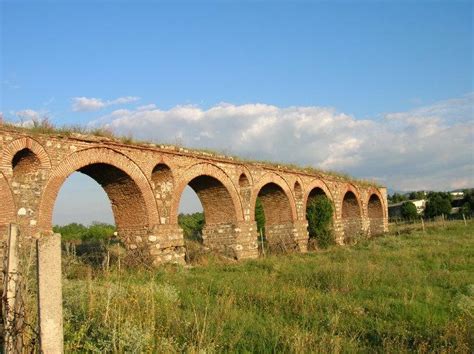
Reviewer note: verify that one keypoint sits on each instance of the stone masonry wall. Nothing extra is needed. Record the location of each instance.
(144, 184)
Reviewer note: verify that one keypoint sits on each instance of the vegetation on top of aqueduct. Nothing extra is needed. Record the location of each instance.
(83, 133)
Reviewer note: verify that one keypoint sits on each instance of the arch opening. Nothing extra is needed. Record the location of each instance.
(244, 181)
(86, 223)
(25, 162)
(320, 216)
(351, 218)
(216, 201)
(274, 217)
(161, 174)
(126, 199)
(217, 223)
(375, 213)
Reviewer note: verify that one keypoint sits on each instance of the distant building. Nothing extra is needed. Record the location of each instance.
(420, 205)
(395, 210)
(457, 194)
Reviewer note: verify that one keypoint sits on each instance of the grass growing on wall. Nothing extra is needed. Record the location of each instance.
(45, 126)
(396, 293)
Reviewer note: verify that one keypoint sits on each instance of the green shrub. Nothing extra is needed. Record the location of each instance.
(192, 225)
(438, 203)
(260, 217)
(408, 211)
(319, 215)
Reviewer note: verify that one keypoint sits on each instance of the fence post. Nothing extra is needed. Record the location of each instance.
(464, 218)
(50, 307)
(11, 279)
(422, 224)
(263, 246)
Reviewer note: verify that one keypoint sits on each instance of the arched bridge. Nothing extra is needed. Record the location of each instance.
(144, 183)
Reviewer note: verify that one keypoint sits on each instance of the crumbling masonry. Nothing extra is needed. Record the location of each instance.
(144, 183)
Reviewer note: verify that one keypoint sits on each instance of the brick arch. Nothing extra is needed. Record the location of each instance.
(314, 185)
(246, 172)
(203, 178)
(376, 212)
(273, 178)
(7, 211)
(161, 173)
(298, 189)
(351, 213)
(354, 190)
(24, 143)
(314, 188)
(127, 187)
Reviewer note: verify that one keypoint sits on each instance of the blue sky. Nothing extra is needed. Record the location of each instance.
(392, 65)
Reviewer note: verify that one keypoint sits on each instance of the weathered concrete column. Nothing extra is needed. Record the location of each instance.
(10, 291)
(50, 307)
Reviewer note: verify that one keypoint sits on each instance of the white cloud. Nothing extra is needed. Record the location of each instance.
(29, 114)
(26, 117)
(426, 148)
(80, 104)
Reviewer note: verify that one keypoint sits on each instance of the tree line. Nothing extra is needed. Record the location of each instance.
(437, 203)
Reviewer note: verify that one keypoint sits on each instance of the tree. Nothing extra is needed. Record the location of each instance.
(97, 231)
(319, 214)
(409, 211)
(468, 202)
(260, 216)
(438, 203)
(397, 198)
(192, 225)
(416, 195)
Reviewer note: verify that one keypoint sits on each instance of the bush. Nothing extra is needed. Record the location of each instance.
(319, 214)
(192, 225)
(438, 203)
(408, 211)
(260, 216)
(97, 231)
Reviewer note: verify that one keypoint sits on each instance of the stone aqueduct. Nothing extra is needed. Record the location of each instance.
(144, 183)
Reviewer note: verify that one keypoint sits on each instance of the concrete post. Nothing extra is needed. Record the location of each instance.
(50, 307)
(11, 286)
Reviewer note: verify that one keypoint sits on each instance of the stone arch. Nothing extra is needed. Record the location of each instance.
(375, 213)
(217, 193)
(125, 184)
(281, 190)
(7, 211)
(279, 209)
(351, 214)
(316, 186)
(21, 144)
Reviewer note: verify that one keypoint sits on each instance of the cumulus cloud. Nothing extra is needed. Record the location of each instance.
(30, 114)
(81, 104)
(427, 148)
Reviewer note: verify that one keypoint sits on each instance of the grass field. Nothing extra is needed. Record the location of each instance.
(413, 292)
